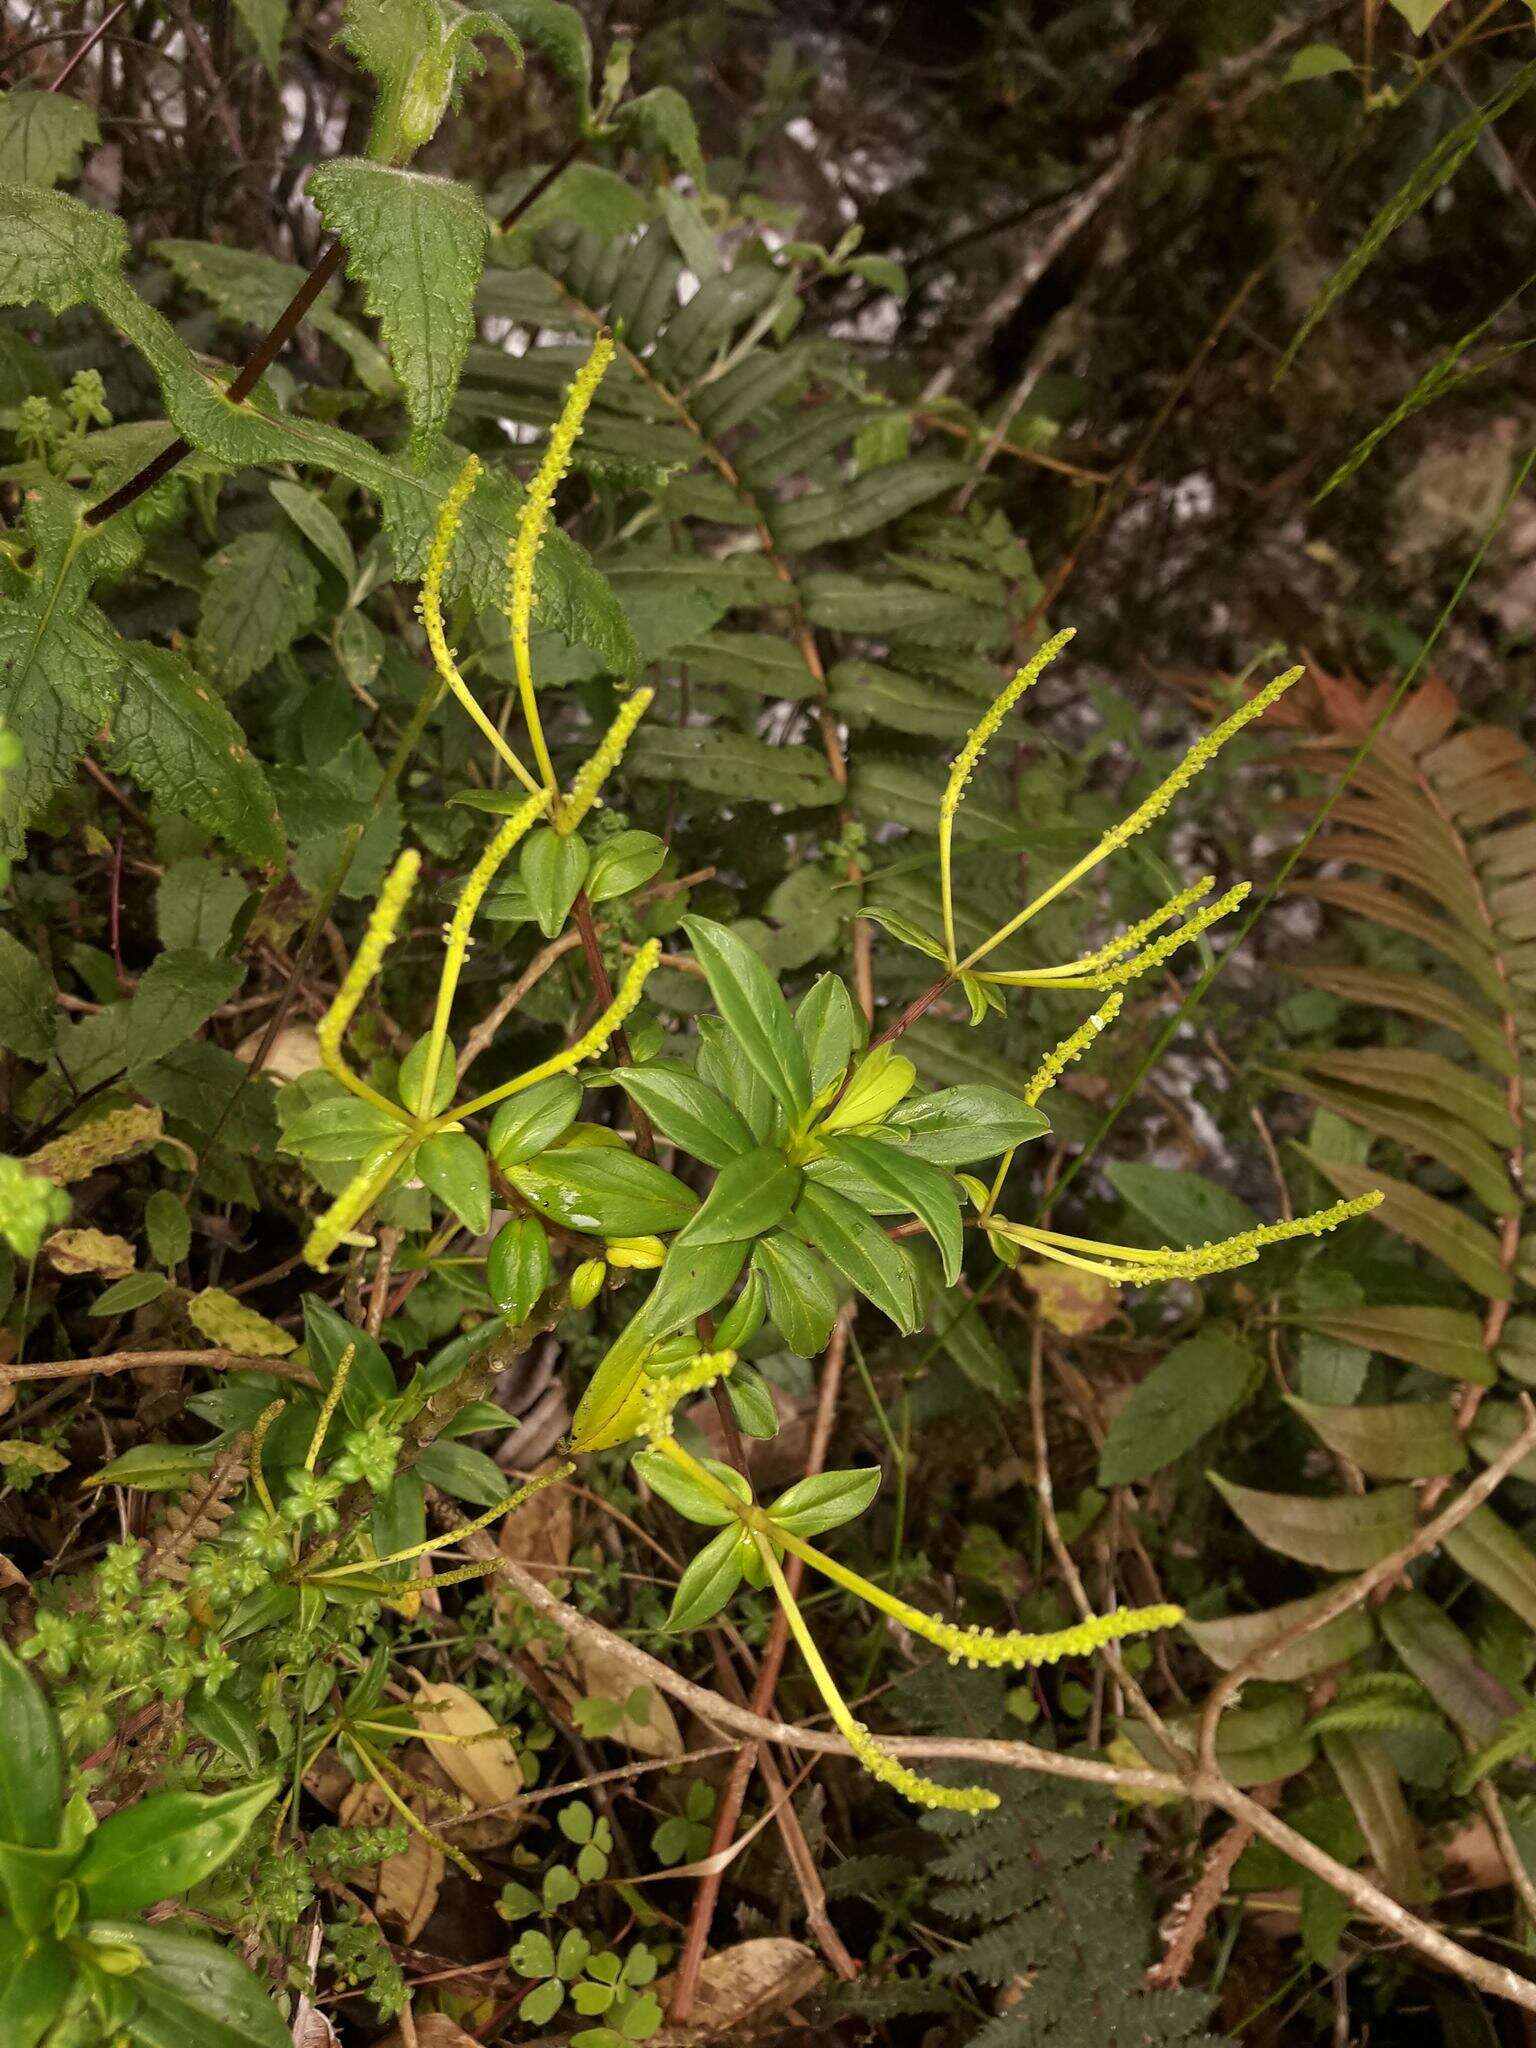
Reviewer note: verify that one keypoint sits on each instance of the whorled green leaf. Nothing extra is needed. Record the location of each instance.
(679, 1489)
(453, 1165)
(756, 1014)
(527, 1124)
(751, 1195)
(906, 1182)
(825, 1500)
(860, 1250)
(708, 1582)
(802, 1298)
(518, 1267)
(687, 1112)
(604, 1190)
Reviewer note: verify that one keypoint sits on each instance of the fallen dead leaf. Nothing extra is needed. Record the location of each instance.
(433, 2030)
(90, 1251)
(229, 1323)
(109, 1138)
(540, 1531)
(1073, 1303)
(404, 1887)
(314, 2030)
(295, 1051)
(748, 1983)
(468, 1745)
(604, 1676)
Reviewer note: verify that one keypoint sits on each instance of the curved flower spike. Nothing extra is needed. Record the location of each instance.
(383, 923)
(597, 768)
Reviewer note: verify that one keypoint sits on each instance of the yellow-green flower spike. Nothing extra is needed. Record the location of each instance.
(356, 1199)
(590, 1044)
(964, 766)
(383, 923)
(1015, 1649)
(328, 1407)
(1137, 1266)
(1057, 1061)
(429, 609)
(1164, 948)
(1114, 949)
(530, 535)
(595, 771)
(661, 1396)
(875, 1758)
(456, 934)
(890, 1770)
(1201, 755)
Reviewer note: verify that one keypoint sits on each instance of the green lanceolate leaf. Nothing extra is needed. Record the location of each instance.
(417, 246)
(370, 1380)
(748, 998)
(340, 1128)
(623, 863)
(688, 1112)
(913, 1184)
(709, 1581)
(162, 1846)
(693, 1278)
(464, 1472)
(1390, 1439)
(553, 867)
(825, 1500)
(518, 1267)
(802, 1298)
(750, 1196)
(861, 1252)
(1342, 1533)
(528, 1124)
(957, 1125)
(31, 1767)
(679, 1489)
(1231, 1639)
(1488, 1550)
(194, 1994)
(1185, 1396)
(454, 1167)
(832, 1029)
(35, 1977)
(600, 1190)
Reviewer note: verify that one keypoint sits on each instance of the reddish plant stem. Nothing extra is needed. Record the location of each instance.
(88, 45)
(602, 988)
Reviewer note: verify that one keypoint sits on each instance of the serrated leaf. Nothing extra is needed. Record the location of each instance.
(1187, 1394)
(1230, 1640)
(732, 764)
(557, 32)
(1341, 1532)
(1390, 1440)
(662, 120)
(416, 245)
(179, 991)
(251, 290)
(168, 1226)
(58, 686)
(1441, 1659)
(177, 740)
(137, 1290)
(43, 136)
(29, 1020)
(226, 1320)
(260, 596)
(1488, 1550)
(53, 248)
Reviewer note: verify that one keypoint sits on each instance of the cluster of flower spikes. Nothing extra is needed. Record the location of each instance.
(564, 812)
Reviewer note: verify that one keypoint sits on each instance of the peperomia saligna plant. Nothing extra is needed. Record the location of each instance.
(823, 1152)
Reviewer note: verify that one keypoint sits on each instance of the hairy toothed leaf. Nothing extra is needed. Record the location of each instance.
(42, 136)
(557, 32)
(259, 597)
(416, 245)
(54, 248)
(177, 740)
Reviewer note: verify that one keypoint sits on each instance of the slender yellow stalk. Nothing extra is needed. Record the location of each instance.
(964, 766)
(358, 1197)
(507, 1506)
(429, 609)
(530, 538)
(1132, 1266)
(1199, 756)
(328, 1408)
(371, 1764)
(1116, 949)
(383, 922)
(586, 1047)
(594, 771)
(876, 1759)
(456, 936)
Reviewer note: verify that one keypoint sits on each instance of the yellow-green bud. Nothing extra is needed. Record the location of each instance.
(585, 1282)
